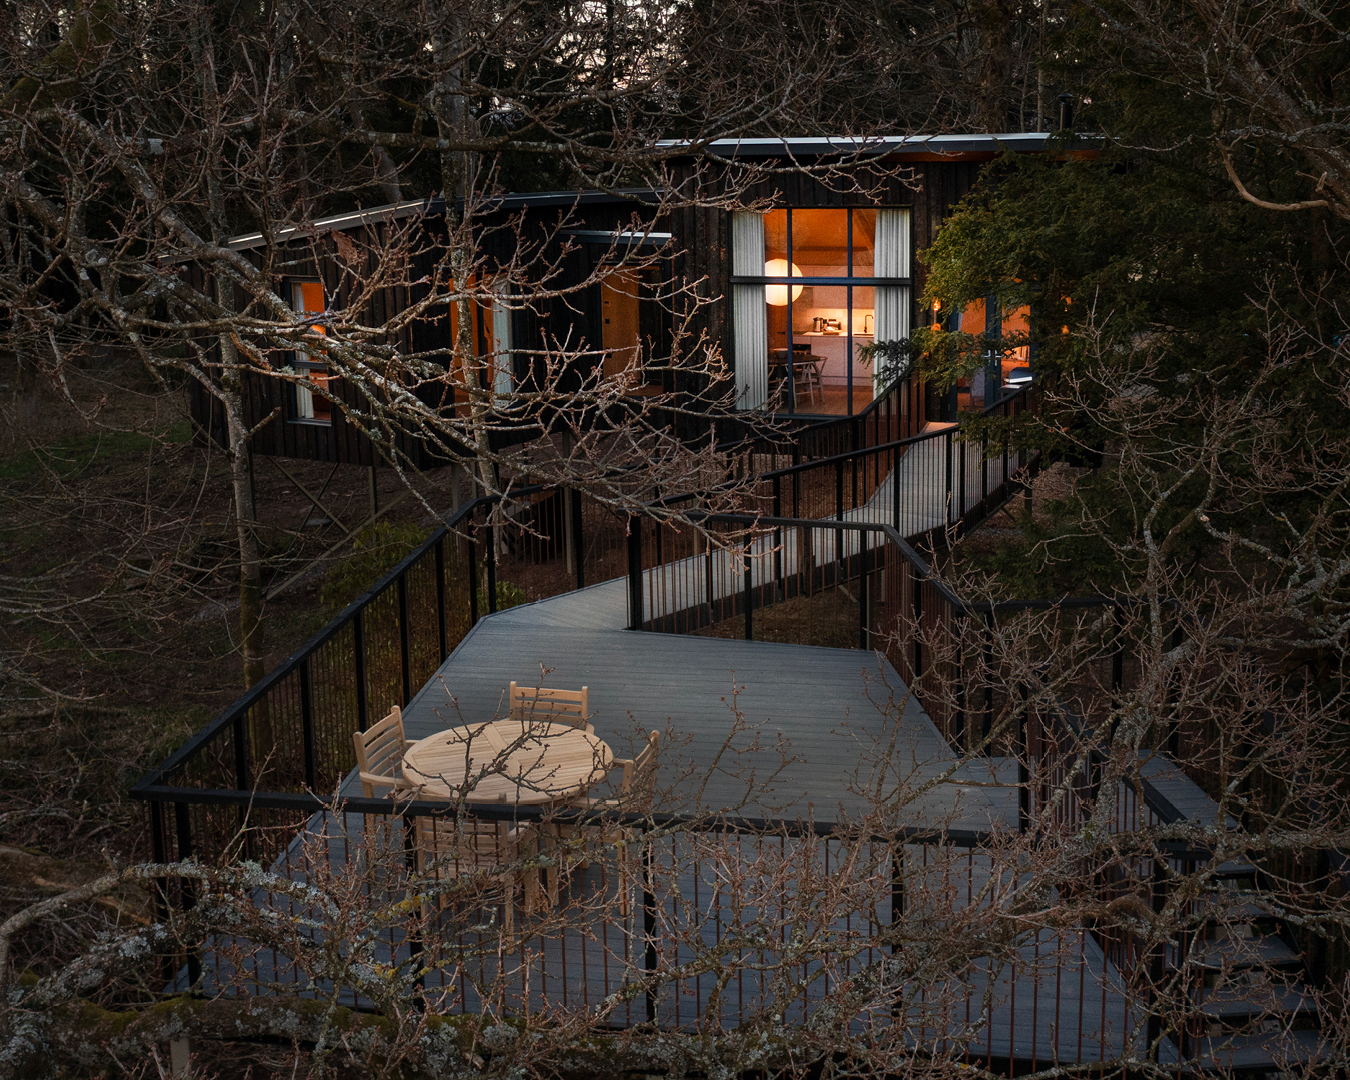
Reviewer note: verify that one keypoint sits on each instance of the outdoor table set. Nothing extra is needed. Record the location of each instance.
(544, 754)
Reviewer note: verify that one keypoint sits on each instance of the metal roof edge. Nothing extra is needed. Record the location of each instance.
(1023, 141)
(374, 215)
(433, 204)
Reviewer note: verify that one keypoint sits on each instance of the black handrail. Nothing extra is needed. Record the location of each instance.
(910, 440)
(391, 579)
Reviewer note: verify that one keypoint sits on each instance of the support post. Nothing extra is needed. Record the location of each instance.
(183, 823)
(649, 957)
(918, 623)
(863, 620)
(359, 666)
(578, 538)
(1024, 764)
(473, 583)
(988, 678)
(490, 554)
(708, 576)
(307, 727)
(895, 487)
(1157, 963)
(840, 561)
(440, 598)
(779, 593)
(984, 470)
(635, 614)
(749, 591)
(947, 436)
(413, 933)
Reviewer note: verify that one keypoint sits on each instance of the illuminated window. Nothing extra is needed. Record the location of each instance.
(314, 407)
(810, 289)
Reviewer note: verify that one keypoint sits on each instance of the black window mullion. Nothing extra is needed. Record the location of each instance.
(848, 241)
(806, 279)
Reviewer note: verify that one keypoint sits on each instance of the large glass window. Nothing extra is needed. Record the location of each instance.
(810, 288)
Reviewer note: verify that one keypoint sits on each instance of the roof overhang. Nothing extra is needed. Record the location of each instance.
(903, 147)
(376, 215)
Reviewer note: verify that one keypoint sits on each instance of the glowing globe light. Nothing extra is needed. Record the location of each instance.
(777, 295)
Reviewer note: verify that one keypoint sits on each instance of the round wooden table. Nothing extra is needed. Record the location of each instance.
(529, 762)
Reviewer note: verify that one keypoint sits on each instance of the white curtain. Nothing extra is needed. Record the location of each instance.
(502, 361)
(892, 260)
(892, 250)
(750, 327)
(304, 400)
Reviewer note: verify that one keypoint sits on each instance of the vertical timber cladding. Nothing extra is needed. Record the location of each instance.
(570, 324)
(340, 440)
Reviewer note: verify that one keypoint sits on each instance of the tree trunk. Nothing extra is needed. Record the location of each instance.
(250, 560)
(231, 397)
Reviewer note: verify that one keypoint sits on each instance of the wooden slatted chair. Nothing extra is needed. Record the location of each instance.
(379, 752)
(637, 792)
(449, 846)
(379, 756)
(546, 705)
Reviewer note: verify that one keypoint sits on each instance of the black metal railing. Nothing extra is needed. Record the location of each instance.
(826, 562)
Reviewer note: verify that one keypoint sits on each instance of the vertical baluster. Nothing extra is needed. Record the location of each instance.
(404, 642)
(307, 727)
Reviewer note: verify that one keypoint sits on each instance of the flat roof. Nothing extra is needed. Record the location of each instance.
(879, 145)
(903, 146)
(434, 204)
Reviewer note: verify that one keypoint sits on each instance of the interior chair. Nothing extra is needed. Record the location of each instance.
(550, 706)
(637, 792)
(451, 846)
(806, 372)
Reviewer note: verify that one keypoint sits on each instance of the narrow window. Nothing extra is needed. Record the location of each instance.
(503, 359)
(307, 296)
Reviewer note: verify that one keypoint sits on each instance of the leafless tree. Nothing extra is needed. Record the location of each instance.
(138, 140)
(811, 963)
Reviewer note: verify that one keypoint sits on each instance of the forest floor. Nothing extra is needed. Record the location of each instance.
(118, 589)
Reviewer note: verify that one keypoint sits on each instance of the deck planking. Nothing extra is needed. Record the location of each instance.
(831, 713)
(827, 718)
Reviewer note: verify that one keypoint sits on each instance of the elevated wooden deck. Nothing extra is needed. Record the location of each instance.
(825, 735)
(822, 720)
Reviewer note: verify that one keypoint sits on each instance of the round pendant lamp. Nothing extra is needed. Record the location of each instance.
(777, 295)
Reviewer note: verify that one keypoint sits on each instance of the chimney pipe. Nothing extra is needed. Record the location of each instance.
(1065, 112)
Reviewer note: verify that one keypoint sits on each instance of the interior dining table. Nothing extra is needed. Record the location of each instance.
(530, 763)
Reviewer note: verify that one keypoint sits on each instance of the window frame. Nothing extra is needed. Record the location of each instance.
(848, 281)
(303, 365)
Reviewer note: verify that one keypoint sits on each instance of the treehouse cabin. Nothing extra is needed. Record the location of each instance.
(797, 296)
(600, 312)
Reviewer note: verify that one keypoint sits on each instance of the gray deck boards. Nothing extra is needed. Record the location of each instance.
(827, 715)
(759, 730)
